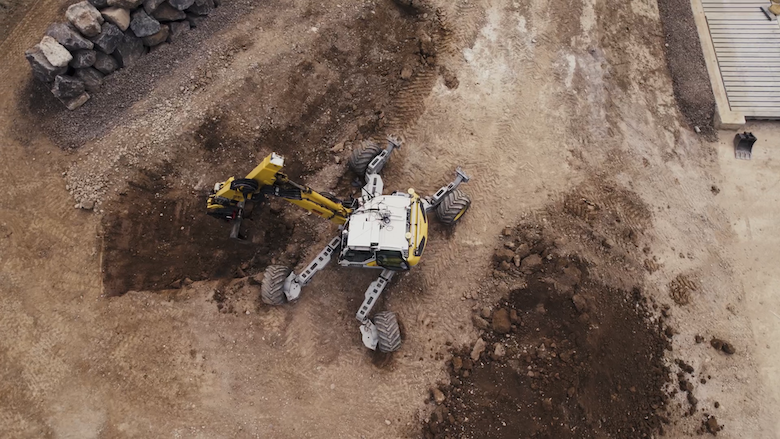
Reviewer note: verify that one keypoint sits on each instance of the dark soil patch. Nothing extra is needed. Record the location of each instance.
(692, 87)
(580, 360)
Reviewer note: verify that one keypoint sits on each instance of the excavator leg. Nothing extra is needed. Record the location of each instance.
(280, 284)
(383, 333)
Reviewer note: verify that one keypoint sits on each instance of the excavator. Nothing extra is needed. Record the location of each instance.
(386, 232)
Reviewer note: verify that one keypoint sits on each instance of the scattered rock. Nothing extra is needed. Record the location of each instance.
(485, 312)
(457, 363)
(68, 36)
(530, 262)
(499, 351)
(406, 72)
(67, 88)
(87, 205)
(158, 38)
(166, 12)
(716, 343)
(504, 266)
(194, 20)
(85, 17)
(438, 395)
(513, 317)
(55, 53)
(109, 38)
(151, 5)
(129, 50)
(698, 339)
(504, 254)
(41, 67)
(125, 4)
(479, 348)
(120, 17)
(105, 64)
(523, 250)
(201, 7)
(143, 25)
(99, 4)
(712, 425)
(685, 367)
(500, 322)
(178, 28)
(728, 348)
(91, 78)
(83, 59)
(181, 4)
(479, 322)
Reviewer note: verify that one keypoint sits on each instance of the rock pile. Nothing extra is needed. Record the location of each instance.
(101, 36)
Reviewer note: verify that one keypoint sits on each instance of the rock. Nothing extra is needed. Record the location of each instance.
(55, 53)
(516, 260)
(178, 29)
(728, 348)
(83, 59)
(68, 36)
(158, 38)
(406, 72)
(479, 348)
(438, 395)
(85, 17)
(692, 400)
(507, 231)
(105, 64)
(513, 317)
(99, 4)
(485, 312)
(67, 87)
(580, 303)
(716, 343)
(547, 404)
(129, 50)
(125, 4)
(504, 266)
(91, 78)
(712, 425)
(181, 4)
(143, 25)
(187, 282)
(87, 205)
(41, 67)
(698, 339)
(120, 17)
(523, 250)
(201, 7)
(108, 39)
(504, 254)
(194, 20)
(530, 262)
(501, 322)
(166, 12)
(457, 363)
(151, 5)
(479, 322)
(499, 351)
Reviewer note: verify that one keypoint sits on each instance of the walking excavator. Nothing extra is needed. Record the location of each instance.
(386, 232)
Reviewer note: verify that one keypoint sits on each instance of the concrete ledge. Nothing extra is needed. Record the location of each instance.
(725, 119)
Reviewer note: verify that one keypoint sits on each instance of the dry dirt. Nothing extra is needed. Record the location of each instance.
(563, 113)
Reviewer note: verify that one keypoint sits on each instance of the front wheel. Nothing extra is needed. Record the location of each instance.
(272, 288)
(452, 207)
(388, 331)
(362, 156)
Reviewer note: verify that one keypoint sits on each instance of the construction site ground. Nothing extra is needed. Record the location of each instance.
(126, 312)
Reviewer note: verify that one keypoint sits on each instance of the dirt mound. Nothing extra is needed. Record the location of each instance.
(563, 356)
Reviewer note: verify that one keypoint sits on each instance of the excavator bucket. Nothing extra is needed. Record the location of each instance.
(743, 145)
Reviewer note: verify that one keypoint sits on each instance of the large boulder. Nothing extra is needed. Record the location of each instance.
(151, 5)
(126, 4)
(91, 78)
(42, 69)
(181, 4)
(158, 38)
(129, 50)
(143, 25)
(105, 64)
(109, 37)
(68, 36)
(70, 91)
(166, 12)
(119, 16)
(201, 7)
(83, 59)
(85, 17)
(57, 55)
(178, 29)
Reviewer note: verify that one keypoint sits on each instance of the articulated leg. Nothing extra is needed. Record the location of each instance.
(367, 328)
(294, 282)
(436, 199)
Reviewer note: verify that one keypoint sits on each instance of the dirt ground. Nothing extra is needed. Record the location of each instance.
(140, 319)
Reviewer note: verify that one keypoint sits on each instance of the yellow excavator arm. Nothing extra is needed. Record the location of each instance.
(229, 197)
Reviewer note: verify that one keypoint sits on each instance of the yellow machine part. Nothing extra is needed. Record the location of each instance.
(418, 230)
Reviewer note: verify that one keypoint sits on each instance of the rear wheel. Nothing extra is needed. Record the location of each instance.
(272, 289)
(362, 156)
(452, 207)
(388, 330)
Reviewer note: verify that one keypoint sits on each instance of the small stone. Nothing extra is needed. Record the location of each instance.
(716, 343)
(479, 348)
(513, 317)
(201, 7)
(178, 29)
(504, 254)
(120, 17)
(499, 351)
(485, 312)
(692, 400)
(105, 64)
(479, 322)
(504, 266)
(194, 20)
(500, 322)
(698, 339)
(83, 59)
(728, 348)
(158, 38)
(166, 12)
(87, 205)
(67, 87)
(547, 404)
(181, 4)
(457, 363)
(507, 231)
(129, 50)
(85, 17)
(530, 262)
(68, 36)
(712, 425)
(108, 39)
(523, 250)
(697, 129)
(143, 25)
(151, 5)
(387, 422)
(55, 53)
(438, 395)
(406, 72)
(125, 4)
(337, 148)
(41, 67)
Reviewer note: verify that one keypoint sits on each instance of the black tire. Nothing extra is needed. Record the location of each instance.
(362, 156)
(452, 207)
(389, 333)
(272, 288)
